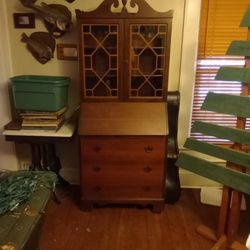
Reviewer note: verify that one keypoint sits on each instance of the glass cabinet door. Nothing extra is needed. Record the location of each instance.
(147, 60)
(100, 60)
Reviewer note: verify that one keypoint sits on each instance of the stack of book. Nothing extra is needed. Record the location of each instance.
(43, 119)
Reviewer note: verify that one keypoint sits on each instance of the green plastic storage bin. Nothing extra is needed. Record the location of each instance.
(40, 93)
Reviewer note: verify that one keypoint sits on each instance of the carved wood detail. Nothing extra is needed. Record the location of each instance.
(124, 9)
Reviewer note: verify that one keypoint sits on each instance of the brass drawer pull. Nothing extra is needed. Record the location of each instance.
(97, 168)
(147, 169)
(147, 189)
(97, 148)
(148, 149)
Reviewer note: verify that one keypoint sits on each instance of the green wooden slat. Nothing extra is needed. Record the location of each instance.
(233, 74)
(231, 134)
(228, 177)
(228, 154)
(227, 104)
(245, 22)
(239, 48)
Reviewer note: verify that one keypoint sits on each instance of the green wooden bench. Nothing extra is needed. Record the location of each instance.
(20, 229)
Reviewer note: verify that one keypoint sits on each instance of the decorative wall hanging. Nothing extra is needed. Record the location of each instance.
(41, 45)
(67, 51)
(24, 20)
(57, 17)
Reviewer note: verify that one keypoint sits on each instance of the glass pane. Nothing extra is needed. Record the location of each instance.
(148, 31)
(110, 44)
(147, 61)
(99, 31)
(111, 79)
(100, 61)
(156, 81)
(89, 51)
(146, 90)
(138, 41)
(113, 62)
(160, 62)
(91, 80)
(158, 41)
(137, 81)
(89, 93)
(87, 62)
(89, 41)
(113, 28)
(101, 90)
(85, 28)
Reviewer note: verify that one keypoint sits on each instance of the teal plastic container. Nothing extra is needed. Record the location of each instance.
(40, 93)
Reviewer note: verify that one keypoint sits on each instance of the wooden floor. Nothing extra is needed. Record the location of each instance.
(130, 228)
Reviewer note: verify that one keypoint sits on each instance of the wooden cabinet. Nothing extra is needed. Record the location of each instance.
(123, 151)
(123, 65)
(124, 56)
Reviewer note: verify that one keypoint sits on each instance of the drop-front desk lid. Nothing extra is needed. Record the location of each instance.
(123, 118)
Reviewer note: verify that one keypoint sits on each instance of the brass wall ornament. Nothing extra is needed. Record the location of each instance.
(129, 5)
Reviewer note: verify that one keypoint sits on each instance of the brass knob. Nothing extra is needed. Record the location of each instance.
(97, 148)
(148, 149)
(97, 168)
(147, 169)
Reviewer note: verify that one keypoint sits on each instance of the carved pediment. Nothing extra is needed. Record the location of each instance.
(124, 9)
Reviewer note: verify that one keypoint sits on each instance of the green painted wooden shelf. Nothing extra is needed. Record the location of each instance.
(239, 48)
(226, 176)
(231, 134)
(233, 74)
(246, 19)
(227, 104)
(225, 153)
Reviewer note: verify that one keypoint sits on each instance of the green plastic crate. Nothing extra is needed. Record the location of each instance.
(40, 93)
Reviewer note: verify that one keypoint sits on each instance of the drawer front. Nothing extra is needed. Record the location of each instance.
(122, 180)
(127, 149)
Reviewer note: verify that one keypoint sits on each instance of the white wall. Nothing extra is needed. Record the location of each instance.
(181, 77)
(8, 158)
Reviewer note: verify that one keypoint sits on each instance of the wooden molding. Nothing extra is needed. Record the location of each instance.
(124, 9)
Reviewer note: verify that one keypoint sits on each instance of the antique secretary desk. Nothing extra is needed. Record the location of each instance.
(123, 62)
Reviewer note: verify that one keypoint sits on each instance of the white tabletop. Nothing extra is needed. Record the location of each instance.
(67, 130)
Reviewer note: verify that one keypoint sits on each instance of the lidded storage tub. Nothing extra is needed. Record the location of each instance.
(40, 93)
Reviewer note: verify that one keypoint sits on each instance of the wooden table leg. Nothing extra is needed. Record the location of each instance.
(54, 163)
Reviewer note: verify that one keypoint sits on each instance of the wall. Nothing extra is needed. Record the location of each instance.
(181, 77)
(8, 158)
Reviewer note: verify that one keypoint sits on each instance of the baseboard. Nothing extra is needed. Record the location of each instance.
(212, 196)
(191, 180)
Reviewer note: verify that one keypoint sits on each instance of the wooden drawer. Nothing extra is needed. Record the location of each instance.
(127, 149)
(122, 180)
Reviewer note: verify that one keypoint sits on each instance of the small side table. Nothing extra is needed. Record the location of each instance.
(42, 144)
